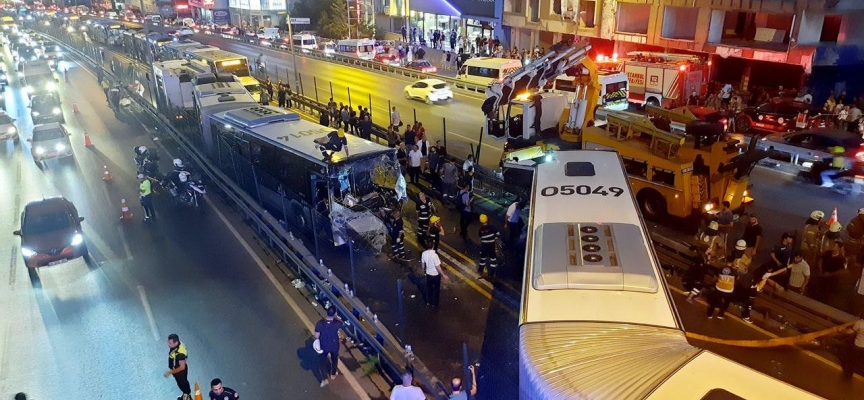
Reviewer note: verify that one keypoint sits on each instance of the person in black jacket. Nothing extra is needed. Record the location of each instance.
(219, 392)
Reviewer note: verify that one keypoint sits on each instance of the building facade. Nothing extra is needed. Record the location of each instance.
(763, 43)
(254, 14)
(469, 18)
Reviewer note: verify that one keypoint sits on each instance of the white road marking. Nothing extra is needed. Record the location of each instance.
(293, 304)
(149, 311)
(96, 239)
(125, 243)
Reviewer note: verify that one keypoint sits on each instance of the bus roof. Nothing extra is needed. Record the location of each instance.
(492, 62)
(217, 55)
(582, 199)
(221, 95)
(199, 48)
(287, 131)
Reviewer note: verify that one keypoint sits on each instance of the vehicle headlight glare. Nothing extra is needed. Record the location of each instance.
(40, 150)
(50, 86)
(77, 239)
(36, 113)
(60, 147)
(56, 110)
(11, 129)
(27, 252)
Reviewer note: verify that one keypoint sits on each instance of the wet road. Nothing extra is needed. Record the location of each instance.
(100, 327)
(483, 315)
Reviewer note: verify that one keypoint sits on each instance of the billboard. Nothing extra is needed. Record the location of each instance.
(478, 8)
(221, 17)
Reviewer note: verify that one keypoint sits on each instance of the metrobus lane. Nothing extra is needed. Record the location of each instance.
(102, 325)
(464, 118)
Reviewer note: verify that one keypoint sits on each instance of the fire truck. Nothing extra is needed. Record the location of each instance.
(660, 79)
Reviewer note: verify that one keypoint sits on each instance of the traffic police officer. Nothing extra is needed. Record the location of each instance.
(144, 189)
(177, 367)
(425, 209)
(489, 236)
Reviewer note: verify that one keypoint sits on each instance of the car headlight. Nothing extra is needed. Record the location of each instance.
(27, 252)
(50, 86)
(60, 147)
(35, 113)
(56, 110)
(28, 89)
(11, 129)
(40, 150)
(4, 77)
(77, 239)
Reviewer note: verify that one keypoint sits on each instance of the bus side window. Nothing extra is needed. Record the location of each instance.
(635, 167)
(662, 176)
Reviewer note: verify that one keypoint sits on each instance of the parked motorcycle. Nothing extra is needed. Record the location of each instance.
(188, 193)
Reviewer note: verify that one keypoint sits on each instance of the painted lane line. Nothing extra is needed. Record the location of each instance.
(149, 311)
(103, 247)
(293, 304)
(125, 243)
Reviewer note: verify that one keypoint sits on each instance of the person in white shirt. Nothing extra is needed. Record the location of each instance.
(469, 163)
(395, 119)
(432, 267)
(407, 391)
(415, 159)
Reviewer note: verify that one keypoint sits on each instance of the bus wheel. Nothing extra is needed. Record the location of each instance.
(652, 204)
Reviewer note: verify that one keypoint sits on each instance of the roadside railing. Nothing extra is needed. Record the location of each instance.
(374, 339)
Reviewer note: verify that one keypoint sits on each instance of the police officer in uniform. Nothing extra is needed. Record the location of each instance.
(397, 236)
(489, 236)
(425, 209)
(811, 237)
(177, 367)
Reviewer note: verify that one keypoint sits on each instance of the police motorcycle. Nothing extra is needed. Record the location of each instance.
(182, 187)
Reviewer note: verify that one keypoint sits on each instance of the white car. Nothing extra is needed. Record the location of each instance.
(185, 32)
(8, 130)
(429, 91)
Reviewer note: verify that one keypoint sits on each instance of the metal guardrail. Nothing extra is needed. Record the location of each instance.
(362, 322)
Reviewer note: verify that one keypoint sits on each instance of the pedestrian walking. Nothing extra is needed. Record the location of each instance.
(465, 211)
(449, 178)
(145, 192)
(752, 235)
(289, 96)
(489, 236)
(425, 209)
(327, 337)
(395, 119)
(434, 273)
(407, 391)
(177, 366)
(811, 237)
(219, 392)
(414, 163)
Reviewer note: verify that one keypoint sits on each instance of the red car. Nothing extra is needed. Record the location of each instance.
(389, 59)
(51, 233)
(422, 66)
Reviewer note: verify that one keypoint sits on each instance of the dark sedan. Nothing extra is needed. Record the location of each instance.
(422, 66)
(51, 233)
(812, 145)
(773, 116)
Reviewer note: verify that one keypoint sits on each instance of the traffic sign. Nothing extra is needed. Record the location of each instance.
(300, 21)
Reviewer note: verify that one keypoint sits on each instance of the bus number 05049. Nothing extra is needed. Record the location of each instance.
(582, 190)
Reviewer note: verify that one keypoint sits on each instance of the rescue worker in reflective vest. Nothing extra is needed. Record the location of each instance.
(489, 236)
(710, 243)
(811, 237)
(723, 290)
(397, 236)
(433, 235)
(425, 209)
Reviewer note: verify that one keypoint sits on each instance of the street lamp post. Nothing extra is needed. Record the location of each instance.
(293, 50)
(348, 14)
(149, 54)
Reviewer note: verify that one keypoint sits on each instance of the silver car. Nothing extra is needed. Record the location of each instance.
(8, 130)
(50, 141)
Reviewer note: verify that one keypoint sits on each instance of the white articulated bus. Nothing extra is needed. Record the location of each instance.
(597, 319)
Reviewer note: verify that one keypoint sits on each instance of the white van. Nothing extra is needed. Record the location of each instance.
(485, 70)
(153, 19)
(362, 48)
(305, 41)
(613, 89)
(268, 33)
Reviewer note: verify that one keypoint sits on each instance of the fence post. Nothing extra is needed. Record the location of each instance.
(444, 122)
(349, 98)
(331, 89)
(415, 115)
(401, 310)
(300, 79)
(370, 102)
(479, 144)
(315, 84)
(351, 260)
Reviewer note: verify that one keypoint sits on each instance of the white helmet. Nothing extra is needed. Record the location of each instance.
(142, 149)
(178, 163)
(317, 346)
(817, 215)
(184, 176)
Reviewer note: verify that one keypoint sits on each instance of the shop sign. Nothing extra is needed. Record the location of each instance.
(221, 17)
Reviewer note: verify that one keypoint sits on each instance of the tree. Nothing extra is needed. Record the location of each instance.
(308, 9)
(333, 22)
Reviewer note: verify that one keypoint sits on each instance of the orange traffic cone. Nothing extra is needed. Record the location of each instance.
(124, 209)
(833, 218)
(106, 176)
(75, 107)
(198, 392)
(87, 142)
